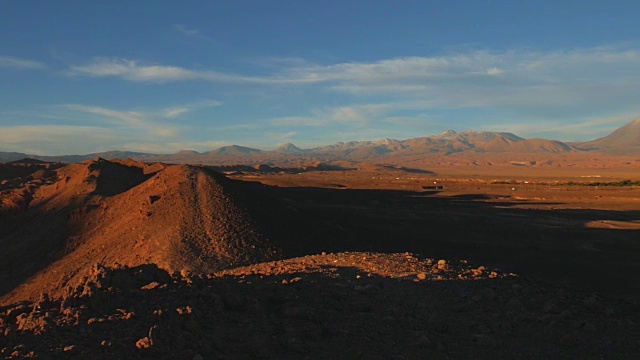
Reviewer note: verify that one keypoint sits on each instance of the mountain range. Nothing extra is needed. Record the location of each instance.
(623, 141)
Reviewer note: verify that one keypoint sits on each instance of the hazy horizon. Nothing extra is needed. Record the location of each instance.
(272, 148)
(153, 76)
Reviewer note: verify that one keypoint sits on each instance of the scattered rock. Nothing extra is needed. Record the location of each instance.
(151, 286)
(144, 343)
(246, 313)
(442, 265)
(32, 323)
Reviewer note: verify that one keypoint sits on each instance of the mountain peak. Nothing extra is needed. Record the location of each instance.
(448, 132)
(385, 141)
(288, 148)
(624, 140)
(187, 152)
(234, 150)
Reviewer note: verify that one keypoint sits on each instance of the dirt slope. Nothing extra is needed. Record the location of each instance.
(180, 218)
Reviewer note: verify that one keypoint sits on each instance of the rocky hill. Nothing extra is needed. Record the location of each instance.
(180, 218)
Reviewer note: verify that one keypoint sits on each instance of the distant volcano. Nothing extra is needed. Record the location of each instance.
(625, 140)
(234, 150)
(288, 148)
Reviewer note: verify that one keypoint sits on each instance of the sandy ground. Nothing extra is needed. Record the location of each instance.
(538, 226)
(127, 260)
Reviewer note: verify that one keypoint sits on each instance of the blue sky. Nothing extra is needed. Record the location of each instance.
(158, 76)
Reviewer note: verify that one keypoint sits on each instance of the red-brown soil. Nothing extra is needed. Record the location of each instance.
(20, 179)
(123, 259)
(180, 218)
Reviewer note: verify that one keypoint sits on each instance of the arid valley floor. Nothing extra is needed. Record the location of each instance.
(125, 259)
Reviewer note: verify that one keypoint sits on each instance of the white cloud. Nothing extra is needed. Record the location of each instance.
(554, 87)
(102, 129)
(177, 111)
(193, 33)
(144, 122)
(21, 64)
(358, 115)
(150, 119)
(128, 118)
(494, 71)
(130, 70)
(471, 78)
(186, 30)
(54, 139)
(133, 70)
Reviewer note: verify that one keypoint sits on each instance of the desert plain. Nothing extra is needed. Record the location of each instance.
(368, 250)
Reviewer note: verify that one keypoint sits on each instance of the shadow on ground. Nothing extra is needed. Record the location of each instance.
(321, 316)
(554, 245)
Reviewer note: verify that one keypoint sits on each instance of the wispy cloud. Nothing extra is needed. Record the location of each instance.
(102, 129)
(479, 67)
(20, 64)
(136, 120)
(115, 117)
(41, 139)
(177, 111)
(133, 70)
(473, 78)
(186, 30)
(130, 70)
(557, 87)
(513, 79)
(358, 115)
(193, 33)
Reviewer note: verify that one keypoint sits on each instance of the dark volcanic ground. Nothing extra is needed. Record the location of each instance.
(348, 305)
(545, 235)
